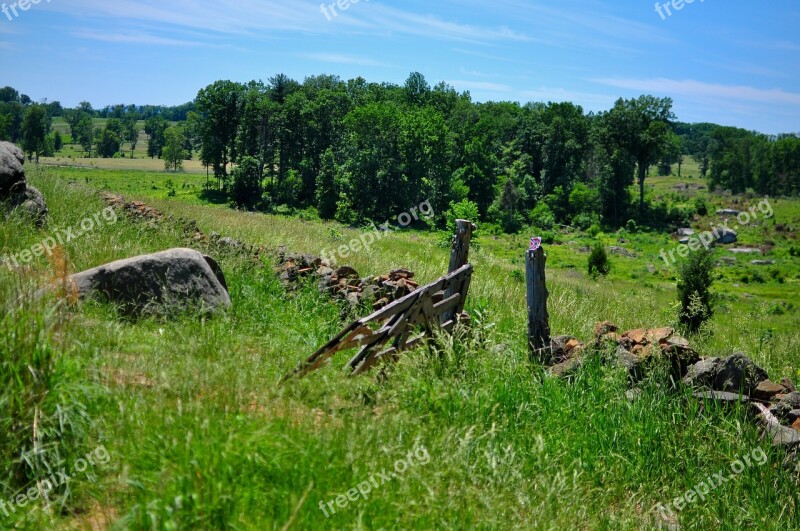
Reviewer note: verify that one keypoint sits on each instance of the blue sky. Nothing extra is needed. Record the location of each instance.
(729, 62)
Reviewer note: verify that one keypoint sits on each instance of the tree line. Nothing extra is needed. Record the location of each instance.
(357, 151)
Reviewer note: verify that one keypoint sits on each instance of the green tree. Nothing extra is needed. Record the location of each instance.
(155, 129)
(327, 194)
(645, 128)
(108, 142)
(131, 133)
(218, 108)
(174, 152)
(247, 182)
(35, 128)
(58, 141)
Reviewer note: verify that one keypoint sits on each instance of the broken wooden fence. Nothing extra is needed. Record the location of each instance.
(408, 321)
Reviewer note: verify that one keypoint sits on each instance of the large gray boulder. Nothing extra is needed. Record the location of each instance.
(173, 280)
(11, 168)
(734, 374)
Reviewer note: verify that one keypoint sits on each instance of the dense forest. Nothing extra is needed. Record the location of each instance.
(357, 151)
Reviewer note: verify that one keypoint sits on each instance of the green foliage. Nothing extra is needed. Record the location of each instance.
(35, 128)
(694, 289)
(326, 186)
(700, 206)
(173, 151)
(598, 263)
(464, 209)
(246, 187)
(108, 141)
(542, 216)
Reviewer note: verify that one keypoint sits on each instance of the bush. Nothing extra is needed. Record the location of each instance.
(700, 206)
(542, 216)
(694, 285)
(464, 209)
(584, 221)
(598, 261)
(631, 226)
(594, 230)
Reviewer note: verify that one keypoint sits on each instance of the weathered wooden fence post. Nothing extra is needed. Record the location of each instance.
(459, 257)
(538, 319)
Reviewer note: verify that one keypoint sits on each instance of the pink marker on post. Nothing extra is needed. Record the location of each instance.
(535, 243)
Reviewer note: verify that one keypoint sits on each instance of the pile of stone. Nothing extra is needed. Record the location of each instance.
(734, 379)
(140, 212)
(637, 351)
(14, 188)
(344, 283)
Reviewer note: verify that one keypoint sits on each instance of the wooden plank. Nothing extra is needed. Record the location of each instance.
(398, 322)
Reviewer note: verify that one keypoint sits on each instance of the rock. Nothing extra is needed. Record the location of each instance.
(560, 347)
(31, 202)
(727, 236)
(721, 397)
(638, 336)
(766, 390)
(684, 241)
(601, 329)
(796, 425)
(728, 212)
(762, 262)
(734, 374)
(744, 250)
(783, 436)
(621, 251)
(793, 415)
(566, 369)
(346, 272)
(682, 233)
(12, 171)
(787, 383)
(176, 279)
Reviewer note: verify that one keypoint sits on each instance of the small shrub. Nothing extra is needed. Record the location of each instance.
(694, 285)
(594, 230)
(598, 261)
(700, 206)
(631, 226)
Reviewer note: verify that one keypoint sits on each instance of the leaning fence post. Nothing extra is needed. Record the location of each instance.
(538, 319)
(459, 257)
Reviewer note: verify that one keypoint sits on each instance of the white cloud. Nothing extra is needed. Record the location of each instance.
(461, 84)
(134, 37)
(342, 59)
(703, 90)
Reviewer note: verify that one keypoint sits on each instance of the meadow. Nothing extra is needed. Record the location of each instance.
(200, 435)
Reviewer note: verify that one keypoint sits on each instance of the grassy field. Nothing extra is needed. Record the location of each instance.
(200, 436)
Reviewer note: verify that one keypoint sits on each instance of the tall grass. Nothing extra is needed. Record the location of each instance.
(200, 435)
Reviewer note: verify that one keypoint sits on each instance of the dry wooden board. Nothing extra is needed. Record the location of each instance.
(399, 322)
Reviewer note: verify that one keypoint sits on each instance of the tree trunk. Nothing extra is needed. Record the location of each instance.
(642, 176)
